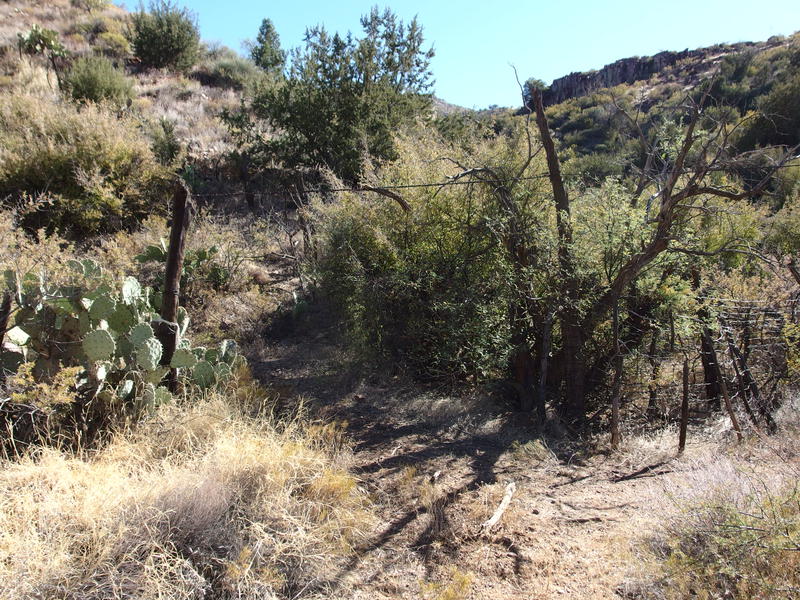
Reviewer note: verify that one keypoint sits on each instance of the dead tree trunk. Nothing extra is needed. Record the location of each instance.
(572, 331)
(748, 384)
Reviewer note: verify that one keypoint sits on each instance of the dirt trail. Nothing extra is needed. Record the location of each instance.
(437, 468)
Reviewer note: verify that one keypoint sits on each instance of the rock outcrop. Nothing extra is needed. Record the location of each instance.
(629, 70)
(626, 70)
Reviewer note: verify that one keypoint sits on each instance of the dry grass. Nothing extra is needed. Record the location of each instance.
(199, 502)
(728, 520)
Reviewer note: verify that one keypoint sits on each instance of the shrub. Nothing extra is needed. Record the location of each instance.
(165, 37)
(224, 68)
(88, 171)
(114, 44)
(166, 145)
(96, 79)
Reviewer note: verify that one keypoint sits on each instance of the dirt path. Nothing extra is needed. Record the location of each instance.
(437, 467)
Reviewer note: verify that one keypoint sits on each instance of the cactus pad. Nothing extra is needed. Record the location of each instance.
(183, 320)
(148, 353)
(183, 358)
(131, 290)
(99, 345)
(124, 390)
(162, 396)
(122, 319)
(156, 375)
(140, 333)
(102, 308)
(222, 371)
(203, 374)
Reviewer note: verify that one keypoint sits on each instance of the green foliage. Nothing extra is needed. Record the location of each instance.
(778, 119)
(165, 37)
(224, 68)
(79, 172)
(43, 41)
(106, 330)
(96, 79)
(344, 97)
(165, 143)
(113, 44)
(266, 52)
(198, 264)
(429, 290)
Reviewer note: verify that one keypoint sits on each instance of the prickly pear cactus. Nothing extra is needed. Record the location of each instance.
(148, 353)
(203, 374)
(99, 345)
(102, 308)
(140, 333)
(183, 359)
(105, 328)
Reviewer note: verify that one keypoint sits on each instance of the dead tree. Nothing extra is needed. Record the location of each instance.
(680, 183)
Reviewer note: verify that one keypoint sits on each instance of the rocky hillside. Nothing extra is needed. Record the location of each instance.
(687, 67)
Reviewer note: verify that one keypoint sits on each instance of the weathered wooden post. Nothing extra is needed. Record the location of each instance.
(168, 330)
(684, 408)
(617, 386)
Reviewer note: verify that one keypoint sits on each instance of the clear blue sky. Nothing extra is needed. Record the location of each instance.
(477, 41)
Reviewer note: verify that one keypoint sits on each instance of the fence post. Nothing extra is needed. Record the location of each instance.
(684, 408)
(617, 387)
(168, 330)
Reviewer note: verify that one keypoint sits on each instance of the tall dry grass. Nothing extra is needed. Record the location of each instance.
(200, 502)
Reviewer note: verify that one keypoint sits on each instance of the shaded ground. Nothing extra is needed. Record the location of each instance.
(437, 467)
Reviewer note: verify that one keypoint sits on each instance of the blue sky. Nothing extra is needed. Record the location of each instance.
(477, 41)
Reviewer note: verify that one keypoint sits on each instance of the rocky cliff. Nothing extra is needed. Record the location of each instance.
(687, 63)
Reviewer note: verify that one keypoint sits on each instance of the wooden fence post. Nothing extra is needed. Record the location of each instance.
(617, 386)
(684, 408)
(168, 330)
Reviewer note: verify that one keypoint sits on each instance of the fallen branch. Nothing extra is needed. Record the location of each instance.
(488, 525)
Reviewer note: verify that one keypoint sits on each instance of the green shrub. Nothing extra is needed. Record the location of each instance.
(89, 171)
(96, 79)
(165, 37)
(232, 72)
(114, 44)
(166, 145)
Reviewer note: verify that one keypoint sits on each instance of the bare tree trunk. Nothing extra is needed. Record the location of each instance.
(544, 360)
(724, 389)
(748, 384)
(572, 330)
(5, 314)
(743, 388)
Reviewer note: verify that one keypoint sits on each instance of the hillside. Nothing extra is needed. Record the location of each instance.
(686, 68)
(286, 326)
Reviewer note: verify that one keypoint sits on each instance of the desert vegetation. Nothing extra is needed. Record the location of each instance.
(284, 325)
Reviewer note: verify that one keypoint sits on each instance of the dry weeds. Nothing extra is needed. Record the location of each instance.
(199, 502)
